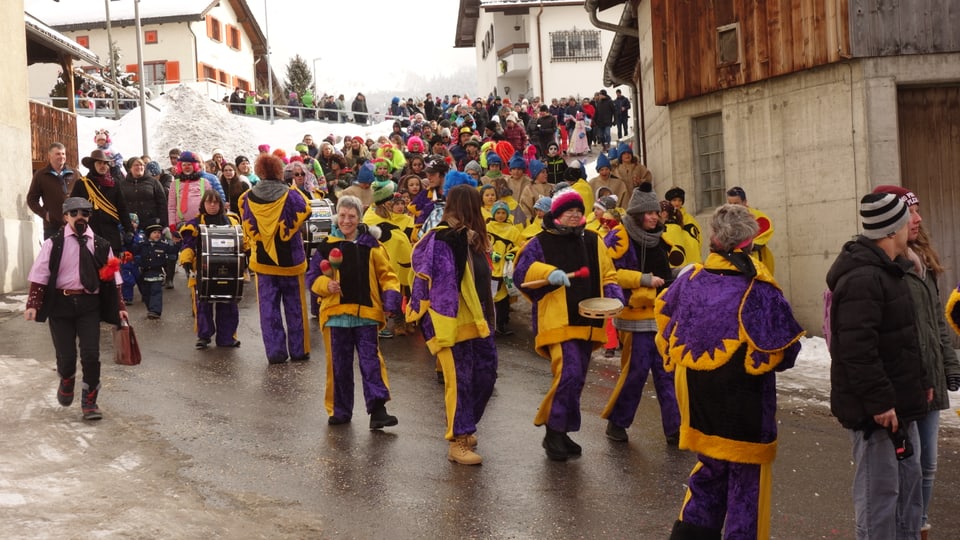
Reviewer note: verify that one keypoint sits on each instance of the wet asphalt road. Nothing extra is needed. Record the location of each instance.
(251, 442)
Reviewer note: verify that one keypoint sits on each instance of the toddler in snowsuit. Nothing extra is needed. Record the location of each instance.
(153, 255)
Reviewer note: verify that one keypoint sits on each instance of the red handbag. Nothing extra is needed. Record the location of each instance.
(125, 346)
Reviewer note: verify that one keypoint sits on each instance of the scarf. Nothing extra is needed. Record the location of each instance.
(641, 236)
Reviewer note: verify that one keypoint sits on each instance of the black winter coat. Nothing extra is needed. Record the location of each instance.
(875, 352)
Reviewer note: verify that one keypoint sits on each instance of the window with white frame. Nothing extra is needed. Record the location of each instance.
(708, 159)
(575, 45)
(155, 72)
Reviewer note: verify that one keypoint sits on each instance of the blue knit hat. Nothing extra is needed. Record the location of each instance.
(536, 167)
(624, 148)
(543, 204)
(499, 205)
(455, 178)
(492, 158)
(612, 154)
(365, 174)
(188, 157)
(602, 162)
(517, 162)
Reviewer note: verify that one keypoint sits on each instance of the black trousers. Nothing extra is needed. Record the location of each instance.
(72, 318)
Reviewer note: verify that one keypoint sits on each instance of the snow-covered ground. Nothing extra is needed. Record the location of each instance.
(190, 122)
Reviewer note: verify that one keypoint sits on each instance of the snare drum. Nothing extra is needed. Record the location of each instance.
(220, 272)
(600, 308)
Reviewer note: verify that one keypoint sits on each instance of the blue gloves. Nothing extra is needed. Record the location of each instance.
(558, 277)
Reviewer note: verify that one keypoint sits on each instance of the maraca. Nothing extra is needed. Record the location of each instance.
(335, 258)
(326, 268)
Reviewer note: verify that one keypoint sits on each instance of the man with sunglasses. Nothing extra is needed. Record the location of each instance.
(68, 288)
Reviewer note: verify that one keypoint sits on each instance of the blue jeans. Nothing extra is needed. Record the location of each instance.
(929, 428)
(602, 134)
(887, 497)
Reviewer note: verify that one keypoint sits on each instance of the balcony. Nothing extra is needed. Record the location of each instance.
(513, 60)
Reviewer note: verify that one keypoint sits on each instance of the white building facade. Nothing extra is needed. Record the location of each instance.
(201, 44)
(531, 48)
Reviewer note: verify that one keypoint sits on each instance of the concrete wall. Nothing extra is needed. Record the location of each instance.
(19, 236)
(805, 148)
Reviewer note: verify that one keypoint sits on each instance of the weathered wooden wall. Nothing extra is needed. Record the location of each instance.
(895, 27)
(777, 37)
(929, 132)
(48, 125)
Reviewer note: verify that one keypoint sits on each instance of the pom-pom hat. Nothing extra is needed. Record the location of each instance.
(643, 200)
(565, 200)
(188, 157)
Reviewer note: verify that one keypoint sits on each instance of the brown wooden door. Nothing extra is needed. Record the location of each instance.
(929, 131)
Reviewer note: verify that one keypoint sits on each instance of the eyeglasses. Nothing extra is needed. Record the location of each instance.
(84, 212)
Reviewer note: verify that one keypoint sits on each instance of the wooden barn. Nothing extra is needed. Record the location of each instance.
(806, 104)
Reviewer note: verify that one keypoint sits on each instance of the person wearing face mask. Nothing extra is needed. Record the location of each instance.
(74, 288)
(562, 334)
(109, 205)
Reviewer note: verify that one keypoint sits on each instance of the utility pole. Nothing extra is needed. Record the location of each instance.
(113, 65)
(143, 99)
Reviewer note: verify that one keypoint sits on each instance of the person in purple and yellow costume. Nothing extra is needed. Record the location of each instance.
(451, 297)
(725, 329)
(562, 334)
(356, 299)
(213, 320)
(640, 255)
(271, 213)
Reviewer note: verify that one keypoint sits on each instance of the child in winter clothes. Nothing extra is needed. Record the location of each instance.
(153, 255)
(505, 242)
(129, 270)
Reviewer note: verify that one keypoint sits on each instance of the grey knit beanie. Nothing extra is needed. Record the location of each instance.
(643, 200)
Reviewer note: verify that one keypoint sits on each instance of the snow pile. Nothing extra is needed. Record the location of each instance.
(192, 122)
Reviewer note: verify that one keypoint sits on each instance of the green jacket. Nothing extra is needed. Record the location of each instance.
(936, 349)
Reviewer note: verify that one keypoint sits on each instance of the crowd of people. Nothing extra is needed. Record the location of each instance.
(441, 226)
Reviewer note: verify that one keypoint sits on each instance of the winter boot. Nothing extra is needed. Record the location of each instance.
(616, 433)
(555, 446)
(471, 440)
(379, 418)
(573, 448)
(65, 391)
(88, 403)
(687, 531)
(460, 452)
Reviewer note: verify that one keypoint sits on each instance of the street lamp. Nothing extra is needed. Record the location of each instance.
(316, 87)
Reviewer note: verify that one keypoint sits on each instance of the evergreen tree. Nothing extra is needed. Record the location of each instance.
(299, 78)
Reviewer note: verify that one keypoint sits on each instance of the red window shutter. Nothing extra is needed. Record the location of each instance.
(209, 26)
(173, 72)
(132, 68)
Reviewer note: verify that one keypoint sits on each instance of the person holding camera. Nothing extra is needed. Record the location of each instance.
(878, 381)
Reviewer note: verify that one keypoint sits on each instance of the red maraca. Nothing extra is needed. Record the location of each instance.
(335, 258)
(326, 268)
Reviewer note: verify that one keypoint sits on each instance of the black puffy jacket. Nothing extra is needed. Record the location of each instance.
(875, 353)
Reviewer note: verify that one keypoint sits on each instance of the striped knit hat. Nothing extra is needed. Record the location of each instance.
(565, 200)
(882, 214)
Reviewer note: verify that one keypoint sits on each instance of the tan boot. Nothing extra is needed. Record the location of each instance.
(461, 453)
(471, 440)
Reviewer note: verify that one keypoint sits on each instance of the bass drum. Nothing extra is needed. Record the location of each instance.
(222, 262)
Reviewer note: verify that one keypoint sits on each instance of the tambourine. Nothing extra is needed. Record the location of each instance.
(600, 308)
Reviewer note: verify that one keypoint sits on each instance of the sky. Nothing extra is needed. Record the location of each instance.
(359, 45)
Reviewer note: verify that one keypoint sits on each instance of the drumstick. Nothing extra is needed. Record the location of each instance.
(581, 273)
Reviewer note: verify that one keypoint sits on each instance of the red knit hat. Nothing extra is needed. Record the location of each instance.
(905, 195)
